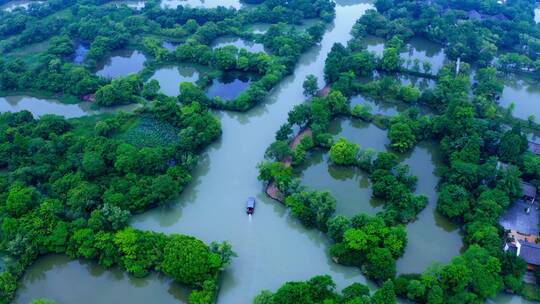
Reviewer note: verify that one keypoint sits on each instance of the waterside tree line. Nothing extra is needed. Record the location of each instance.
(71, 186)
(473, 134)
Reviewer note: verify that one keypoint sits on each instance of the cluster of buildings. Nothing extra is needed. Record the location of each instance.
(521, 221)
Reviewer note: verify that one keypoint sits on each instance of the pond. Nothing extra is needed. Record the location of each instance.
(170, 77)
(90, 283)
(365, 134)
(351, 187)
(375, 45)
(12, 5)
(416, 48)
(201, 3)
(80, 53)
(39, 107)
(423, 50)
(430, 227)
(228, 87)
(239, 43)
(524, 94)
(121, 63)
(421, 83)
(379, 107)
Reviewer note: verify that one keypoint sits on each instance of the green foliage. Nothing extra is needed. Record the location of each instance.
(402, 137)
(313, 209)
(189, 260)
(278, 150)
(454, 200)
(375, 245)
(120, 91)
(513, 144)
(71, 192)
(344, 152)
(311, 85)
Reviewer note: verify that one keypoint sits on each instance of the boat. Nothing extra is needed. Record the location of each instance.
(250, 205)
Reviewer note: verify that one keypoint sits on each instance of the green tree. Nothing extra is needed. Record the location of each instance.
(391, 61)
(189, 260)
(20, 199)
(311, 85)
(344, 152)
(402, 137)
(454, 200)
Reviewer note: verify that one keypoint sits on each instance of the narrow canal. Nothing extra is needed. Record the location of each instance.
(272, 247)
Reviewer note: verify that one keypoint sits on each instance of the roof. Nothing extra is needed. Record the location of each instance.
(518, 220)
(501, 17)
(534, 147)
(530, 252)
(250, 202)
(475, 15)
(528, 190)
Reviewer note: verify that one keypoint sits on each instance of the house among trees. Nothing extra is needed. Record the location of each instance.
(528, 251)
(476, 16)
(534, 147)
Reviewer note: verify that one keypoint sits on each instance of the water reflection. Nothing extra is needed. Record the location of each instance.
(121, 63)
(430, 227)
(367, 135)
(39, 107)
(378, 107)
(351, 187)
(416, 48)
(170, 77)
(57, 278)
(424, 50)
(228, 87)
(239, 43)
(421, 83)
(524, 94)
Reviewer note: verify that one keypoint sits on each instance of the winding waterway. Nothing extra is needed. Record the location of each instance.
(272, 247)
